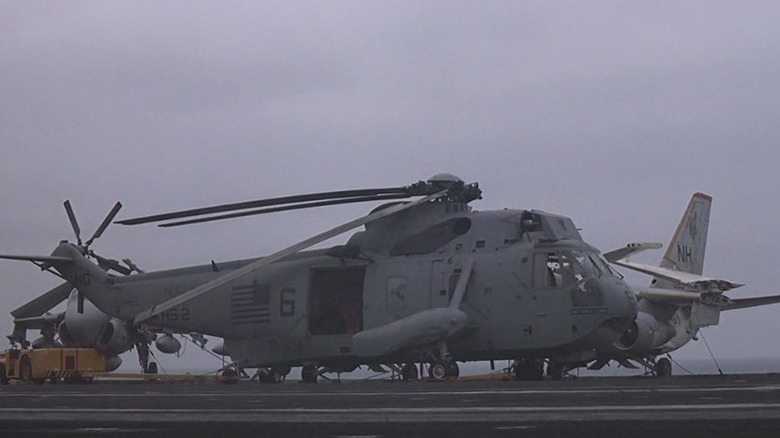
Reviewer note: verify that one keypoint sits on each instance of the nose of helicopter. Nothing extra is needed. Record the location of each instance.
(620, 301)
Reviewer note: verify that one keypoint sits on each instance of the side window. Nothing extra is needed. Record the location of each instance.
(554, 270)
(545, 266)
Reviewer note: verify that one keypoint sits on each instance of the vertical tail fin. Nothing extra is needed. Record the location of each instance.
(686, 250)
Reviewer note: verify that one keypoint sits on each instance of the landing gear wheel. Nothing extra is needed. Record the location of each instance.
(409, 372)
(151, 368)
(663, 367)
(309, 374)
(555, 371)
(437, 370)
(529, 369)
(263, 375)
(283, 370)
(229, 375)
(453, 370)
(274, 376)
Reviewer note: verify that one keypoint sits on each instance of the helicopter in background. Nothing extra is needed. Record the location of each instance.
(429, 281)
(680, 300)
(83, 325)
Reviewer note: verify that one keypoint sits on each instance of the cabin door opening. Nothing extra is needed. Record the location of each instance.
(336, 300)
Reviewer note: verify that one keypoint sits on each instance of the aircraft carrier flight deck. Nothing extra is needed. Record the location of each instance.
(691, 406)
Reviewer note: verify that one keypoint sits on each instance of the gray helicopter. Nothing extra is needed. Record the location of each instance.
(428, 281)
(83, 325)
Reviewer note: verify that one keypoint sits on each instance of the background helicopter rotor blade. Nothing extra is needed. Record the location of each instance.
(104, 263)
(265, 261)
(73, 222)
(295, 199)
(298, 206)
(106, 223)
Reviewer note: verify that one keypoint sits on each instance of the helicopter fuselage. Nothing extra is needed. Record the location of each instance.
(530, 287)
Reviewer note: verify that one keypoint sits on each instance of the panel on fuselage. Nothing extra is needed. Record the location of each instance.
(395, 289)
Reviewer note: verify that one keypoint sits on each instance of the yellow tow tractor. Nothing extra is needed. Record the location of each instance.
(52, 364)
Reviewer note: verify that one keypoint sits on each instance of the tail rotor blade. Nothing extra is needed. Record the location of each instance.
(73, 222)
(105, 223)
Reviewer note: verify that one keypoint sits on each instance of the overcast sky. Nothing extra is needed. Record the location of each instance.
(612, 113)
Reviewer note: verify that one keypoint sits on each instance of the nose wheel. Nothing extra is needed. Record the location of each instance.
(309, 374)
(409, 372)
(529, 369)
(440, 369)
(663, 367)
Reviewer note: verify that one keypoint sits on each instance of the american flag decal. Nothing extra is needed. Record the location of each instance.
(250, 304)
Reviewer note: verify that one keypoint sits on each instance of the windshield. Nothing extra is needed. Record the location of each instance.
(562, 268)
(602, 265)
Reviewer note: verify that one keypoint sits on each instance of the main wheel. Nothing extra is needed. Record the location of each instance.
(229, 375)
(437, 370)
(529, 369)
(663, 367)
(409, 372)
(555, 371)
(270, 375)
(151, 368)
(283, 370)
(274, 376)
(309, 374)
(453, 370)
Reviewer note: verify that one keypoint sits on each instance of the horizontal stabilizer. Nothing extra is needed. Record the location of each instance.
(629, 250)
(692, 281)
(744, 303)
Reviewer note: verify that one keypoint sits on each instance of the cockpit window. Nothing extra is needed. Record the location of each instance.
(554, 270)
(586, 264)
(563, 268)
(603, 266)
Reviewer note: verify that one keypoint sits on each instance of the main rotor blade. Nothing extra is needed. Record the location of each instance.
(106, 222)
(285, 208)
(265, 261)
(73, 222)
(44, 302)
(265, 203)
